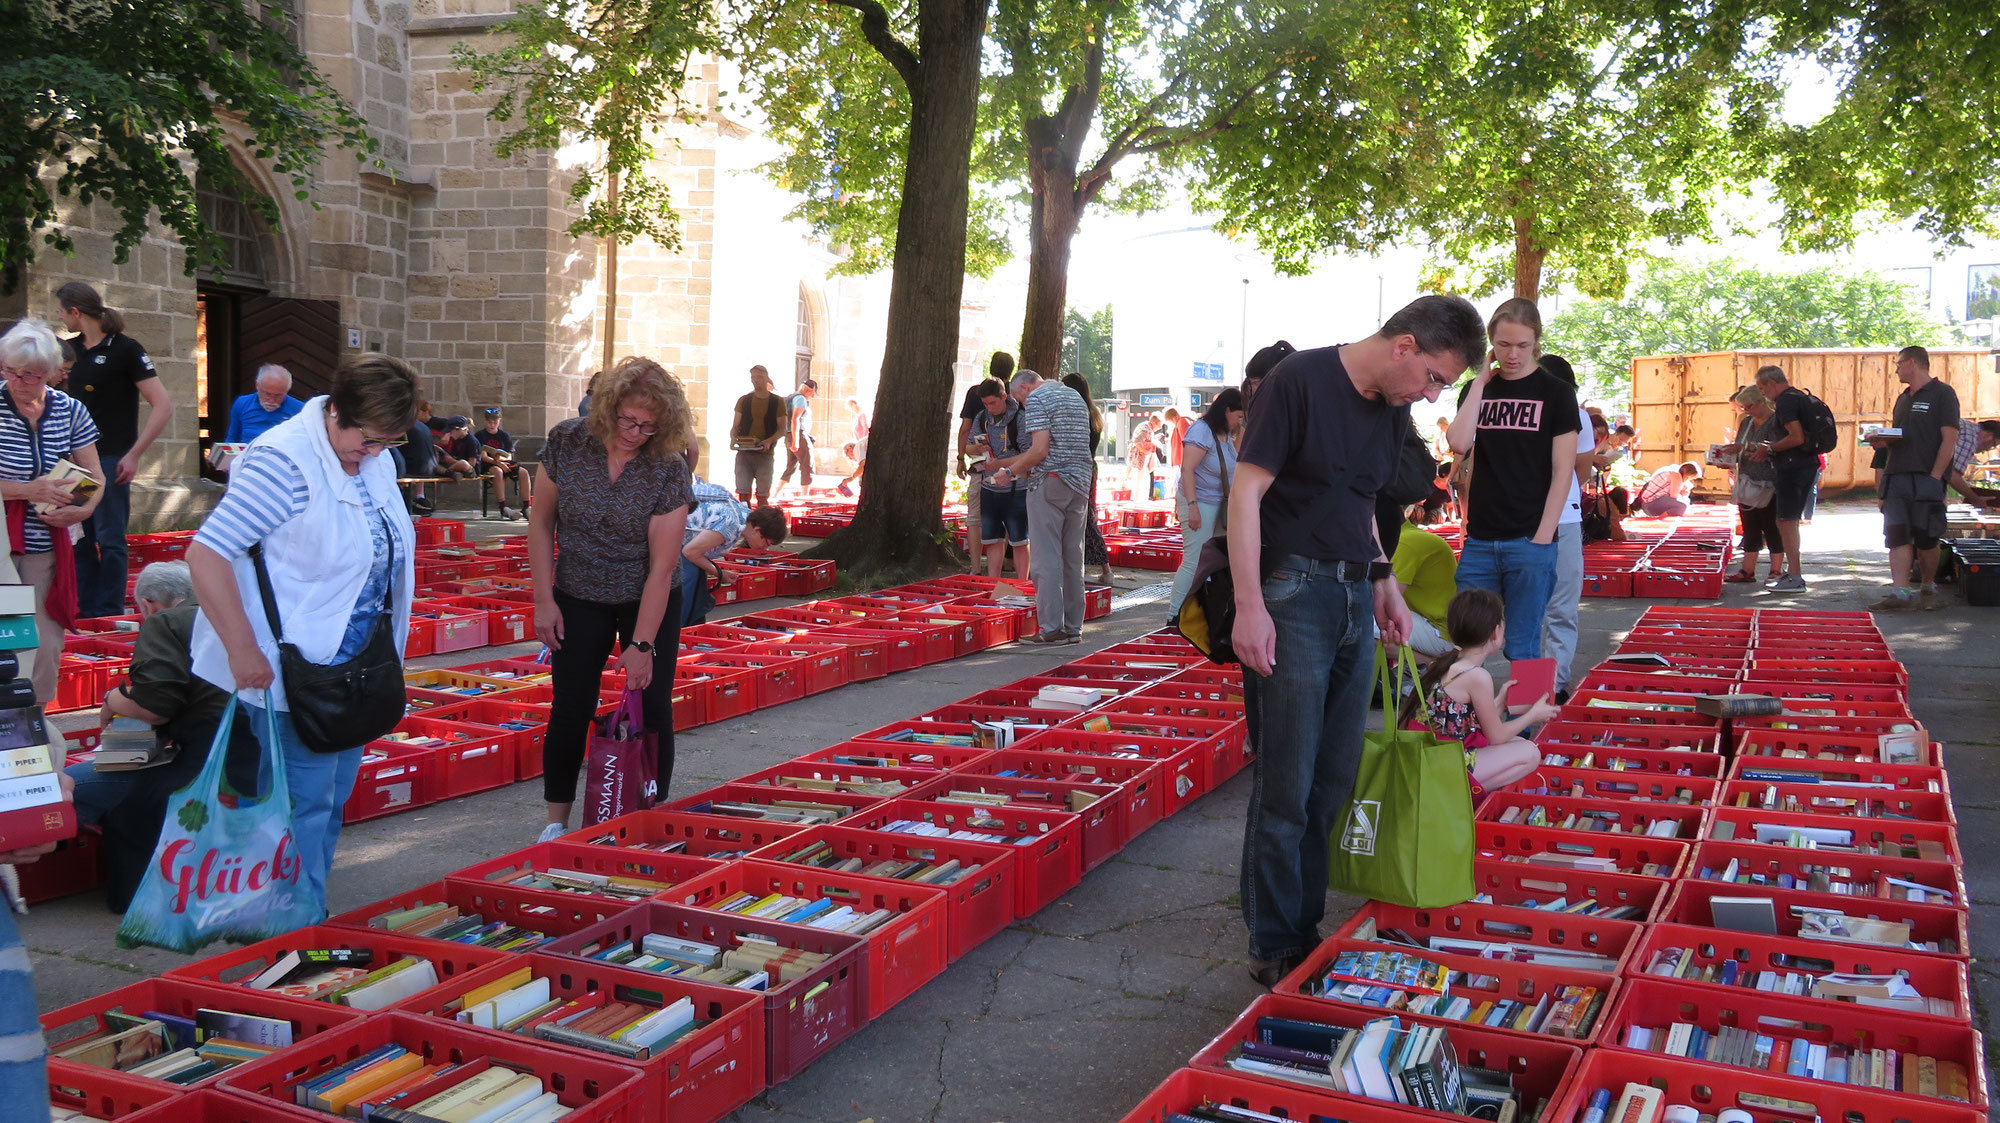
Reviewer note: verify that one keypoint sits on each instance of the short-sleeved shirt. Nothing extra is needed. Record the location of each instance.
(1662, 484)
(463, 448)
(795, 403)
(601, 525)
(65, 427)
(498, 440)
(162, 677)
(1004, 440)
(248, 419)
(1968, 447)
(420, 455)
(267, 489)
(1061, 413)
(1307, 424)
(717, 510)
(1428, 573)
(1586, 443)
(1750, 431)
(1922, 415)
(972, 406)
(1519, 422)
(1215, 466)
(1789, 409)
(106, 380)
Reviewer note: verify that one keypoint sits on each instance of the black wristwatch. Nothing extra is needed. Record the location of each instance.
(1380, 571)
(644, 646)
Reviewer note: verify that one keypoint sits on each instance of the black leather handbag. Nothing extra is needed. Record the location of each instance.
(338, 706)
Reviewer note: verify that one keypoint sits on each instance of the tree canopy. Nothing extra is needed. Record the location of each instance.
(126, 101)
(1725, 305)
(1090, 354)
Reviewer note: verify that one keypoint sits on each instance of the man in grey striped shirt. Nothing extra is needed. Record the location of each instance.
(1057, 470)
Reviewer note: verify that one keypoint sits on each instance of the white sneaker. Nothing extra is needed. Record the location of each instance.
(553, 831)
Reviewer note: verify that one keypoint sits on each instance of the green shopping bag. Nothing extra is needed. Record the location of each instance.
(1407, 835)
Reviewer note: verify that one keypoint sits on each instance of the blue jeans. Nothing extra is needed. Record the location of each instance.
(320, 784)
(100, 555)
(24, 1078)
(696, 599)
(1524, 575)
(1309, 715)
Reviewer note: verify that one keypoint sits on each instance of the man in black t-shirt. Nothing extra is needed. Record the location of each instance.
(112, 373)
(1796, 468)
(1525, 422)
(1323, 434)
(970, 411)
(1910, 475)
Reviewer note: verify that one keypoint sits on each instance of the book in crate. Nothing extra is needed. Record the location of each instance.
(1380, 1060)
(749, 962)
(932, 830)
(819, 912)
(1812, 978)
(1604, 820)
(394, 1085)
(1838, 839)
(1837, 880)
(1885, 1069)
(622, 1023)
(820, 855)
(1582, 906)
(448, 922)
(176, 1049)
(1518, 951)
(1568, 1010)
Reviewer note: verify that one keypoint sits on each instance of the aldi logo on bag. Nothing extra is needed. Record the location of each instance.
(1357, 835)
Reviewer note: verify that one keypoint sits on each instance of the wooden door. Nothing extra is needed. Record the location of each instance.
(303, 336)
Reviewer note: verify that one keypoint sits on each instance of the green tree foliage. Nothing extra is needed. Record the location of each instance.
(125, 100)
(1090, 353)
(1695, 307)
(608, 71)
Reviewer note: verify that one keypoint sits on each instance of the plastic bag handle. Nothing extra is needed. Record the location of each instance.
(207, 783)
(1406, 663)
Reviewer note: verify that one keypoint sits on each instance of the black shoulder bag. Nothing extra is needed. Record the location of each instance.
(338, 706)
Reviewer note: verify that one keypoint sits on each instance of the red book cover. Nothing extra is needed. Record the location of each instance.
(32, 826)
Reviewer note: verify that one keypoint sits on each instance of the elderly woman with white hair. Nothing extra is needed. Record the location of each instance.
(38, 427)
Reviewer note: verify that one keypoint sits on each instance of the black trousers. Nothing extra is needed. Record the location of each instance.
(575, 674)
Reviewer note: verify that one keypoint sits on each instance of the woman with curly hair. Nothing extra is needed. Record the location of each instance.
(614, 488)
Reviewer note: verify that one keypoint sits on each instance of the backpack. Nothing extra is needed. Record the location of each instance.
(1816, 419)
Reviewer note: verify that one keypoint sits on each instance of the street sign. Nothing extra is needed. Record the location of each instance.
(1215, 372)
(1156, 401)
(1208, 372)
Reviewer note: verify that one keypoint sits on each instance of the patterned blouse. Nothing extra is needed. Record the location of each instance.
(601, 548)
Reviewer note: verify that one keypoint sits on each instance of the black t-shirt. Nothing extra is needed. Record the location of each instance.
(972, 406)
(497, 439)
(419, 456)
(1790, 408)
(1306, 424)
(106, 380)
(1518, 425)
(1921, 415)
(438, 426)
(462, 448)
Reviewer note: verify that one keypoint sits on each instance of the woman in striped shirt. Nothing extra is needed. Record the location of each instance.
(38, 427)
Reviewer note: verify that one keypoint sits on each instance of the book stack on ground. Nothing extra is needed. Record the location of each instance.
(623, 1023)
(821, 855)
(813, 913)
(175, 1049)
(753, 963)
(343, 977)
(1381, 1060)
(33, 810)
(447, 922)
(393, 1085)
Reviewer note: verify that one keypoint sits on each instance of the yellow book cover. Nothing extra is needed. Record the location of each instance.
(369, 1079)
(498, 987)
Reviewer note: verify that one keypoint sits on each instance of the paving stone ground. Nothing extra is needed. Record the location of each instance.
(1077, 1012)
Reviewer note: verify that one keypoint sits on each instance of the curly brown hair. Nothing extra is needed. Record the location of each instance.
(646, 384)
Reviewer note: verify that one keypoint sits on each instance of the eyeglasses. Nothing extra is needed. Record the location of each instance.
(1436, 379)
(11, 373)
(382, 442)
(641, 427)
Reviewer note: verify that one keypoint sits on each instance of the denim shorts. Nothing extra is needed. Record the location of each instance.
(1003, 515)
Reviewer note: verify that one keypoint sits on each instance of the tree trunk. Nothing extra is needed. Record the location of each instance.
(1528, 257)
(1052, 221)
(898, 530)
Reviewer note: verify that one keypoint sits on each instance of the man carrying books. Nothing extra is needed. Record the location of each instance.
(1323, 434)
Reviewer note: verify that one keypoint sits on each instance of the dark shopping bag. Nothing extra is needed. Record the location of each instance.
(621, 771)
(1407, 835)
(223, 870)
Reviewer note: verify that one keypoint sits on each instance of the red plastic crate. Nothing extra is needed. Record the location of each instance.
(1686, 582)
(1747, 767)
(102, 1093)
(1013, 708)
(1192, 1088)
(234, 967)
(1771, 862)
(1633, 815)
(1613, 939)
(668, 869)
(1800, 722)
(1051, 862)
(72, 868)
(1697, 616)
(1934, 976)
(403, 776)
(1540, 1065)
(1660, 748)
(1514, 885)
(903, 954)
(785, 776)
(456, 683)
(803, 1018)
(699, 1076)
(507, 621)
(1814, 798)
(1632, 785)
(1142, 784)
(182, 998)
(1610, 677)
(906, 754)
(1225, 743)
(775, 679)
(1690, 904)
(1580, 709)
(1858, 748)
(977, 906)
(1710, 1089)
(1105, 816)
(1478, 980)
(1146, 702)
(1606, 582)
(723, 693)
(899, 650)
(1656, 1003)
(698, 802)
(1881, 831)
(525, 744)
(458, 628)
(598, 1089)
(553, 914)
(474, 758)
(1183, 764)
(704, 836)
(1630, 854)
(825, 666)
(1884, 672)
(867, 657)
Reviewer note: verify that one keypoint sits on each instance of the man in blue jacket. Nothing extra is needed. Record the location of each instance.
(251, 414)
